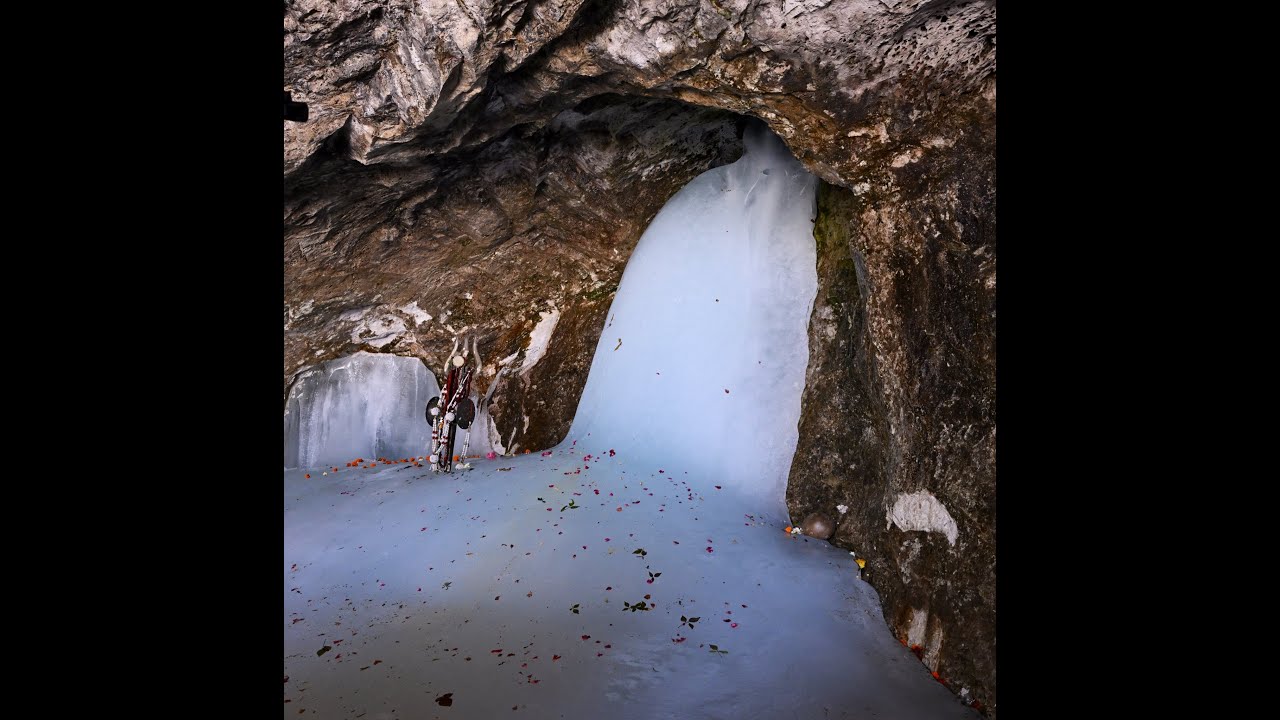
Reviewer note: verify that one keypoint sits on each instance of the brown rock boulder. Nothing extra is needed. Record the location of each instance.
(819, 526)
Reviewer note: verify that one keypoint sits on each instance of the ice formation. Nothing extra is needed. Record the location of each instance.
(540, 338)
(365, 405)
(704, 351)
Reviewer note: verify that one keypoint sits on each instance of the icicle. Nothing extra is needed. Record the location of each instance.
(493, 387)
(483, 406)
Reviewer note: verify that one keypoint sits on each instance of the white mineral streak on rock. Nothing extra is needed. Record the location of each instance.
(540, 339)
(378, 332)
(915, 631)
(419, 315)
(922, 511)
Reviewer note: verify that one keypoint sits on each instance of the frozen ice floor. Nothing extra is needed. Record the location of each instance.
(424, 586)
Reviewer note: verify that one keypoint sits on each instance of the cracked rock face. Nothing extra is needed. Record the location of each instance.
(473, 167)
(898, 415)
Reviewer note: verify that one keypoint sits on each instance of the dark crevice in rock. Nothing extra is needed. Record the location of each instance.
(934, 9)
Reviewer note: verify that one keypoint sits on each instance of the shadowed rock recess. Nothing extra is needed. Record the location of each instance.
(486, 168)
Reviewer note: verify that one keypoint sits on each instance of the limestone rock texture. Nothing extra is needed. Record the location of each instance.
(483, 169)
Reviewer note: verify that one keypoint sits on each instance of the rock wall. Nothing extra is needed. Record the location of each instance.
(899, 417)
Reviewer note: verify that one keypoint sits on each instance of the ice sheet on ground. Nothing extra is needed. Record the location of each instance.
(427, 584)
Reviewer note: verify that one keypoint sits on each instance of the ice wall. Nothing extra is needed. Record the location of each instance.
(364, 405)
(703, 354)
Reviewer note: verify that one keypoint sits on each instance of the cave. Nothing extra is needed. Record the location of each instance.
(722, 276)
